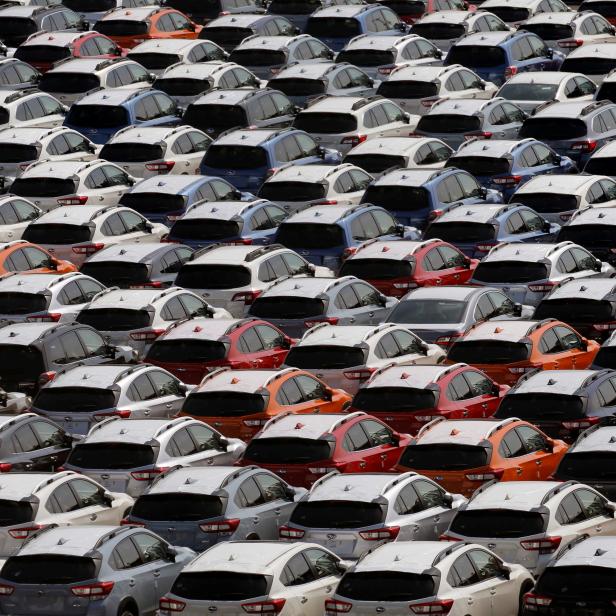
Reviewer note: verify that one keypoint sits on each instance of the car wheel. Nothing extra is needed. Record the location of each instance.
(252, 537)
(128, 609)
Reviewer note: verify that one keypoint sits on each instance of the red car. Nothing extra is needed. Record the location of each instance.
(44, 49)
(395, 267)
(191, 349)
(303, 448)
(409, 397)
(410, 11)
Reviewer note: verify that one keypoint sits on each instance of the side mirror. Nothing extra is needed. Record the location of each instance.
(517, 310)
(547, 226)
(290, 493)
(401, 26)
(598, 265)
(495, 389)
(438, 53)
(107, 498)
(425, 349)
(171, 553)
(448, 501)
(297, 30)
(400, 230)
(182, 388)
(151, 77)
(406, 118)
(321, 152)
(549, 445)
(481, 85)
(286, 343)
(342, 567)
(549, 53)
(395, 440)
(223, 443)
(382, 300)
(52, 263)
(179, 112)
(506, 572)
(191, 27)
(610, 510)
(483, 192)
(92, 148)
(466, 264)
(117, 51)
(328, 394)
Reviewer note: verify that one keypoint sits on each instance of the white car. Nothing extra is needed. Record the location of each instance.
(255, 577)
(345, 356)
(595, 60)
(15, 215)
(30, 108)
(515, 11)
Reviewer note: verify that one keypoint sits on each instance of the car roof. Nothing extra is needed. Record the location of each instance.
(200, 328)
(27, 134)
(27, 283)
(194, 479)
(516, 495)
(246, 381)
(515, 251)
(24, 11)
(308, 286)
(492, 149)
(220, 210)
(97, 377)
(489, 39)
(111, 96)
(130, 299)
(245, 136)
(559, 17)
(68, 214)
(14, 486)
(362, 487)
(420, 73)
(477, 213)
(508, 3)
(458, 293)
(131, 252)
(300, 426)
(85, 65)
(603, 438)
(56, 39)
(561, 184)
(463, 106)
(454, 17)
(374, 41)
(458, 431)
(335, 104)
(305, 173)
(593, 216)
(584, 288)
(563, 109)
(169, 184)
(66, 540)
(235, 20)
(415, 377)
(165, 45)
(509, 331)
(59, 169)
(18, 96)
(338, 335)
(591, 552)
(224, 97)
(320, 214)
(559, 382)
(144, 134)
(607, 150)
(390, 250)
(543, 77)
(340, 10)
(264, 42)
(391, 145)
(126, 431)
(225, 253)
(199, 70)
(24, 333)
(395, 557)
(595, 50)
(131, 14)
(303, 70)
(405, 177)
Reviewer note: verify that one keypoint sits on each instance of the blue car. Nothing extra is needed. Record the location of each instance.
(324, 234)
(98, 116)
(416, 196)
(505, 165)
(476, 229)
(247, 157)
(336, 25)
(496, 56)
(230, 222)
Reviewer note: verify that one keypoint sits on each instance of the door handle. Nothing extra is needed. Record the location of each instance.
(383, 456)
(255, 520)
(538, 462)
(169, 405)
(362, 465)
(371, 314)
(437, 518)
(131, 582)
(492, 591)
(156, 573)
(277, 511)
(93, 516)
(518, 471)
(303, 600)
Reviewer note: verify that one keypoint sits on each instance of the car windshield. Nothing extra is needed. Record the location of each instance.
(488, 352)
(205, 276)
(448, 123)
(22, 303)
(151, 202)
(15, 512)
(111, 456)
(580, 582)
(292, 191)
(17, 152)
(377, 269)
(367, 57)
(116, 273)
(46, 569)
(121, 27)
(443, 456)
(69, 83)
(219, 586)
(436, 31)
(324, 357)
(186, 351)
(480, 165)
(155, 61)
(298, 87)
(587, 466)
(205, 230)
(553, 128)
(498, 523)
(42, 53)
(177, 507)
(514, 272)
(19, 364)
(408, 89)
(333, 27)
(223, 404)
(386, 586)
(52, 233)
(235, 157)
(375, 163)
(43, 187)
(132, 152)
(547, 203)
(424, 311)
(115, 319)
(477, 56)
(576, 310)
(601, 165)
(337, 514)
(289, 307)
(287, 450)
(97, 116)
(184, 86)
(258, 57)
(74, 399)
(461, 232)
(398, 198)
(542, 407)
(589, 65)
(327, 123)
(529, 91)
(393, 399)
(310, 235)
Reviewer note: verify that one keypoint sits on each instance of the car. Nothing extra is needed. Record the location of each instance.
(95, 9)
(530, 91)
(443, 314)
(240, 402)
(540, 520)
(101, 114)
(246, 157)
(193, 348)
(73, 78)
(42, 50)
(392, 579)
(600, 161)
(135, 265)
(136, 317)
(303, 82)
(206, 506)
(409, 397)
(51, 184)
(326, 234)
(235, 222)
(128, 454)
(378, 55)
(395, 267)
(508, 349)
(606, 356)
(606, 90)
(268, 576)
(203, 13)
(337, 25)
(410, 11)
(457, 121)
(15, 215)
(16, 74)
(496, 56)
(417, 88)
(346, 356)
(582, 398)
(595, 61)
(221, 110)
(157, 55)
(418, 196)
(381, 155)
(368, 510)
(76, 233)
(605, 9)
(517, 11)
(150, 151)
(30, 108)
(36, 500)
(462, 455)
(23, 256)
(35, 352)
(91, 564)
(527, 272)
(298, 12)
(129, 27)
(298, 188)
(506, 165)
(476, 229)
(574, 129)
(166, 199)
(302, 449)
(558, 199)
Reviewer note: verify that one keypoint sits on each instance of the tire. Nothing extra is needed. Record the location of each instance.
(252, 537)
(128, 609)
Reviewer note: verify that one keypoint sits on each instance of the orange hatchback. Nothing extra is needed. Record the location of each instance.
(239, 403)
(505, 350)
(22, 256)
(129, 27)
(461, 455)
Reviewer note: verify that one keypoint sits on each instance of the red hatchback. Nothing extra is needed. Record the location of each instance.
(303, 448)
(409, 397)
(395, 267)
(191, 349)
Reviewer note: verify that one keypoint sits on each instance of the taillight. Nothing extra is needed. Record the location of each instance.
(532, 601)
(287, 532)
(520, 370)
(94, 592)
(274, 606)
(354, 139)
(447, 340)
(489, 476)
(510, 71)
(46, 377)
(147, 336)
(347, 252)
(568, 43)
(507, 180)
(5, 467)
(434, 607)
(45, 317)
(388, 533)
(162, 167)
(578, 424)
(313, 322)
(359, 375)
(602, 327)
(123, 414)
(23, 533)
(147, 475)
(165, 240)
(478, 134)
(322, 470)
(72, 200)
(386, 70)
(270, 172)
(326, 202)
(254, 423)
(6, 589)
(548, 545)
(429, 102)
(222, 526)
(87, 249)
(246, 296)
(155, 284)
(425, 418)
(334, 606)
(541, 288)
(244, 241)
(588, 145)
(405, 285)
(485, 247)
(171, 605)
(434, 214)
(129, 522)
(446, 537)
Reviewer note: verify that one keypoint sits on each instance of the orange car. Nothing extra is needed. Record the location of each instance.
(461, 455)
(22, 256)
(505, 350)
(240, 402)
(129, 27)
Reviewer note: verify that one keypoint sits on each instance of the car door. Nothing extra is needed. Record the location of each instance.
(46, 452)
(373, 307)
(503, 593)
(436, 513)
(326, 571)
(76, 506)
(479, 399)
(277, 494)
(108, 184)
(137, 228)
(137, 579)
(526, 462)
(599, 515)
(385, 450)
(94, 506)
(474, 593)
(170, 394)
(22, 451)
(551, 345)
(156, 571)
(575, 350)
(259, 513)
(303, 595)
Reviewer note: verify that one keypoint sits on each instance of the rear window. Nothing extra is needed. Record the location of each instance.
(606, 357)
(214, 116)
(377, 269)
(386, 586)
(497, 523)
(375, 163)
(550, 32)
(510, 13)
(176, 86)
(115, 319)
(17, 153)
(186, 351)
(11, 27)
(328, 123)
(177, 507)
(600, 165)
(541, 407)
(488, 352)
(293, 7)
(262, 57)
(120, 27)
(287, 450)
(47, 233)
(204, 229)
(333, 27)
(406, 7)
(235, 157)
(528, 91)
(116, 273)
(42, 187)
(219, 586)
(42, 53)
(337, 514)
(442, 456)
(424, 311)
(513, 272)
(158, 203)
(112, 456)
(448, 123)
(607, 9)
(397, 198)
(155, 61)
(19, 364)
(310, 235)
(48, 569)
(131, 152)
(480, 165)
(548, 203)
(574, 310)
(97, 116)
(282, 307)
(393, 399)
(15, 512)
(367, 57)
(70, 83)
(579, 582)
(407, 89)
(292, 191)
(587, 466)
(298, 87)
(226, 35)
(90, 5)
(213, 276)
(553, 128)
(460, 232)
(223, 404)
(22, 303)
(477, 56)
(439, 31)
(325, 357)
(589, 65)
(607, 91)
(74, 399)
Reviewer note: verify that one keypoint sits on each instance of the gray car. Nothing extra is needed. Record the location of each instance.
(91, 571)
(297, 304)
(199, 507)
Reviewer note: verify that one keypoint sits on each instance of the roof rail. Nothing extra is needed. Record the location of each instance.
(53, 479)
(262, 250)
(321, 480)
(429, 426)
(171, 424)
(557, 489)
(450, 549)
(396, 480)
(345, 419)
(237, 473)
(502, 424)
(571, 543)
(482, 488)
(111, 534)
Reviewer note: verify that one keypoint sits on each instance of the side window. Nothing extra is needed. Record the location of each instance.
(194, 306)
(297, 571)
(378, 433)
(25, 439)
(63, 499)
(295, 264)
(133, 222)
(250, 494)
(567, 263)
(607, 393)
(487, 565)
(151, 548)
(113, 226)
(470, 186)
(88, 494)
(480, 385)
(345, 184)
(290, 393)
(408, 501)
(568, 338)
(592, 504)
(92, 342)
(459, 389)
(583, 259)
(387, 347)
(454, 83)
(498, 116)
(368, 296)
(323, 563)
(48, 434)
(451, 257)
(356, 439)
(184, 444)
(464, 573)
(272, 488)
(532, 439)
(550, 342)
(73, 351)
(90, 288)
(164, 383)
(307, 144)
(173, 310)
(249, 341)
(484, 309)
(71, 295)
(570, 511)
(433, 261)
(347, 298)
(96, 179)
(126, 555)
(515, 223)
(142, 389)
(511, 446)
(272, 339)
(146, 109)
(364, 227)
(310, 388)
(429, 493)
(407, 342)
